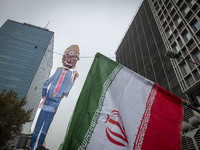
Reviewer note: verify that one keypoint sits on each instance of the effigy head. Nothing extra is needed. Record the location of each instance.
(70, 56)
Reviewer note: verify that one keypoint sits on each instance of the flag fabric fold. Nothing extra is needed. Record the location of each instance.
(120, 110)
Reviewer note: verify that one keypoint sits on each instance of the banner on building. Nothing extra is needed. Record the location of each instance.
(120, 110)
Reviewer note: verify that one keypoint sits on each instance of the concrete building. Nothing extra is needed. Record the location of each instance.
(174, 26)
(26, 55)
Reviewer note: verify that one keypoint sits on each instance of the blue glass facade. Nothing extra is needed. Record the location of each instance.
(26, 55)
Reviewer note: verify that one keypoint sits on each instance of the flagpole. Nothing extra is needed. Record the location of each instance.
(190, 106)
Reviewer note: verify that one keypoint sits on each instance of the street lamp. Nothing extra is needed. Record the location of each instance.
(171, 54)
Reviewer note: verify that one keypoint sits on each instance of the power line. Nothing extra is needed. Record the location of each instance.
(35, 46)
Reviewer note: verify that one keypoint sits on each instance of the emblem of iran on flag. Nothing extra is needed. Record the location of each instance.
(120, 110)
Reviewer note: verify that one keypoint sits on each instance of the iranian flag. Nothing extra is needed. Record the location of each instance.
(120, 110)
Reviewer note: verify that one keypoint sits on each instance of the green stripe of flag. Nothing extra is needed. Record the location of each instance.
(88, 107)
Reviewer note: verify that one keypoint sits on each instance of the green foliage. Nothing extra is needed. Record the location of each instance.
(12, 116)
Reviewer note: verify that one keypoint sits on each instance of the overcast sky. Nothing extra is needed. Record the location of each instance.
(94, 25)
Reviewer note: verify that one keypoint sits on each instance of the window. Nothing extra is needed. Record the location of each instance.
(172, 26)
(175, 48)
(165, 24)
(162, 18)
(185, 69)
(168, 32)
(185, 9)
(180, 27)
(180, 42)
(185, 52)
(157, 7)
(195, 25)
(191, 45)
(189, 16)
(198, 56)
(165, 13)
(195, 8)
(170, 7)
(190, 81)
(186, 36)
(197, 75)
(191, 2)
(166, 1)
(171, 39)
(177, 19)
(173, 13)
(159, 13)
(191, 65)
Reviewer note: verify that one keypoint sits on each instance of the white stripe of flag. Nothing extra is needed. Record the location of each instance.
(131, 113)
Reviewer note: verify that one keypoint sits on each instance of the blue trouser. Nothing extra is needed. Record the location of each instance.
(44, 120)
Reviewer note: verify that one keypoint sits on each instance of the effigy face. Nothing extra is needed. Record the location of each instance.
(70, 58)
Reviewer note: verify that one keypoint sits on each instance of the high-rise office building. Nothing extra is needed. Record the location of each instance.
(168, 25)
(26, 55)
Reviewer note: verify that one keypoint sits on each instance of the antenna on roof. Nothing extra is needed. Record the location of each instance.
(47, 24)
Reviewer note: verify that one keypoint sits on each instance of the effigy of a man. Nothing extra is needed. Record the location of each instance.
(60, 84)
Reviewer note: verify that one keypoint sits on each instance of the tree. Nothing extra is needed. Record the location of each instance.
(12, 116)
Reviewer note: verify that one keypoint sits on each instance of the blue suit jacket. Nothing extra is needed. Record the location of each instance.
(65, 86)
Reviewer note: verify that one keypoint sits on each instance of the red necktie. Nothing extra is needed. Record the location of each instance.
(58, 85)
